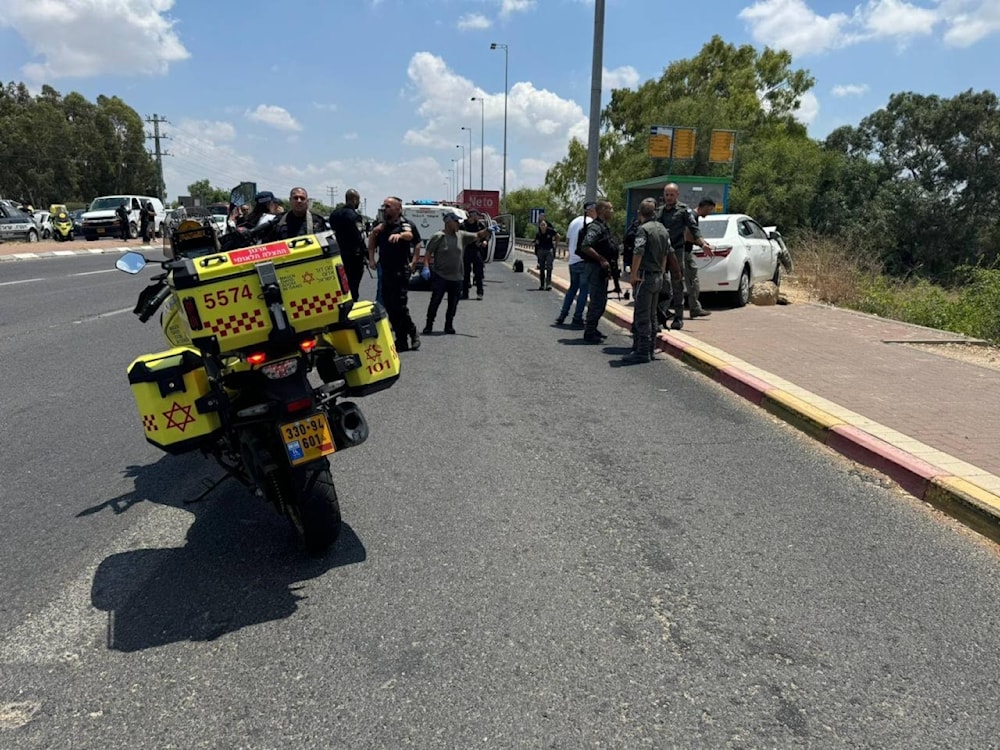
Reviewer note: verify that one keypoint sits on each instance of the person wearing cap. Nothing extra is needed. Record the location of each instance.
(264, 205)
(300, 221)
(576, 287)
(393, 238)
(445, 256)
(472, 255)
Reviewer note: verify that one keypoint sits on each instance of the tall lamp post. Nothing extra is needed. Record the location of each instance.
(506, 58)
(462, 164)
(454, 180)
(470, 155)
(482, 136)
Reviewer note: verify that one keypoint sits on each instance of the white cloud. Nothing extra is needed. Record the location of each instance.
(849, 89)
(474, 21)
(539, 120)
(507, 7)
(808, 108)
(71, 37)
(793, 26)
(969, 20)
(276, 117)
(625, 77)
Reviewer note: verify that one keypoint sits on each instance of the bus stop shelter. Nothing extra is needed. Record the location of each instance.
(693, 189)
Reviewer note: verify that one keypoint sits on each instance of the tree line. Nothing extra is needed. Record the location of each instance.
(914, 187)
(66, 149)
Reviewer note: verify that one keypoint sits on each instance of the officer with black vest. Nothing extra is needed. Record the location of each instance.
(346, 225)
(599, 252)
(300, 220)
(393, 237)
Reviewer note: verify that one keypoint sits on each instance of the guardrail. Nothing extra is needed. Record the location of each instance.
(527, 246)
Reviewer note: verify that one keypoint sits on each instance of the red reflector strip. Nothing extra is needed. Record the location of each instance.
(299, 405)
(191, 311)
(345, 287)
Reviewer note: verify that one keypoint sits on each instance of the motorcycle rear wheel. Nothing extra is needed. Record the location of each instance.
(309, 497)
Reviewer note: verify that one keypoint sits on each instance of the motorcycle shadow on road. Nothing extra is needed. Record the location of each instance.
(240, 564)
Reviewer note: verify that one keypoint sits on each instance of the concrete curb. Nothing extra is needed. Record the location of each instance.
(74, 253)
(929, 479)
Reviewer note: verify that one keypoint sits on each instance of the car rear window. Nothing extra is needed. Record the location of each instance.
(713, 228)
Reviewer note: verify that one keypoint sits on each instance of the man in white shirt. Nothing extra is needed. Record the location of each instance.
(573, 235)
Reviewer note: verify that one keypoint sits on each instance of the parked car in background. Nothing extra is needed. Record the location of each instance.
(100, 220)
(77, 217)
(43, 220)
(15, 224)
(221, 223)
(743, 254)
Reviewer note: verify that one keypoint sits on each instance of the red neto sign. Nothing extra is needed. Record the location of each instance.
(487, 201)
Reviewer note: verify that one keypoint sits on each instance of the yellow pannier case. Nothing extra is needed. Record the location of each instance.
(172, 392)
(237, 300)
(367, 335)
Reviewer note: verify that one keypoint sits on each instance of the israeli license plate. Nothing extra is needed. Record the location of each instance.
(307, 439)
(100, 230)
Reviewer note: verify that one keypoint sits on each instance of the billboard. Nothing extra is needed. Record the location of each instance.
(487, 201)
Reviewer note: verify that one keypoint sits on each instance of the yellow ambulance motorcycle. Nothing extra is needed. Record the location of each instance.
(62, 222)
(247, 324)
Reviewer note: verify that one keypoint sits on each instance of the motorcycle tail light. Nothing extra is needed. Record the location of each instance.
(308, 345)
(191, 311)
(257, 358)
(281, 369)
(299, 404)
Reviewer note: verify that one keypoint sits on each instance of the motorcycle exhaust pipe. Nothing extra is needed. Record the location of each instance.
(348, 424)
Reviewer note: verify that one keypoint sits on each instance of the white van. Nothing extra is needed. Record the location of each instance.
(428, 218)
(100, 220)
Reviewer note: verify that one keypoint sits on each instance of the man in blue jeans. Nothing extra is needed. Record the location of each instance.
(573, 235)
(599, 252)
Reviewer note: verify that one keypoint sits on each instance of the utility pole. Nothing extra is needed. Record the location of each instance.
(596, 74)
(332, 192)
(156, 120)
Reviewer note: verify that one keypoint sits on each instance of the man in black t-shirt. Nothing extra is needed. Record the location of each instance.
(346, 225)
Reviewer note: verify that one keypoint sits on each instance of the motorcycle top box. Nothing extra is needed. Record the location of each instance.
(232, 301)
(170, 390)
(365, 334)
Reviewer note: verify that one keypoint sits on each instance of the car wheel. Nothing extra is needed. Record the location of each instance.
(133, 231)
(46, 234)
(742, 294)
(32, 235)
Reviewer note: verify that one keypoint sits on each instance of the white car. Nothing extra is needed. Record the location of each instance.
(743, 254)
(44, 223)
(221, 223)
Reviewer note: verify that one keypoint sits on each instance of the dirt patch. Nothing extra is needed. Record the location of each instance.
(976, 354)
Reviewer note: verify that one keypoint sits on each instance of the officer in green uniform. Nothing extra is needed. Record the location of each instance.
(651, 256)
(677, 218)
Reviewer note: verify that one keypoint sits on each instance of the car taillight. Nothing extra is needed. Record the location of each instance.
(722, 251)
(191, 311)
(257, 358)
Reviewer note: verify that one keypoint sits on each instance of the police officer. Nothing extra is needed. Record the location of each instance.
(122, 213)
(346, 225)
(677, 218)
(393, 237)
(472, 255)
(705, 207)
(651, 255)
(599, 253)
(299, 220)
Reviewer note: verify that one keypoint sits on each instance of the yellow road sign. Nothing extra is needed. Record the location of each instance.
(722, 147)
(684, 141)
(660, 141)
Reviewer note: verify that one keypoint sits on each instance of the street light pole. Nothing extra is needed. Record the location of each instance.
(470, 155)
(596, 75)
(462, 165)
(506, 57)
(482, 136)
(454, 180)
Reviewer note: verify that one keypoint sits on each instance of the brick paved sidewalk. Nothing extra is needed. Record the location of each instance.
(851, 380)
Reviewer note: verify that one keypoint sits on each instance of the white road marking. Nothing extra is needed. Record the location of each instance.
(22, 281)
(102, 315)
(91, 273)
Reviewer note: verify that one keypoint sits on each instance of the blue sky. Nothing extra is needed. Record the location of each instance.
(373, 94)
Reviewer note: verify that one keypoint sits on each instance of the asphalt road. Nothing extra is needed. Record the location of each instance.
(542, 550)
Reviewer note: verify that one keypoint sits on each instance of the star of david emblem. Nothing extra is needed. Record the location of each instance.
(308, 278)
(373, 352)
(185, 418)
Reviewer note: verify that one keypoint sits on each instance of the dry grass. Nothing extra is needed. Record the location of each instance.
(824, 271)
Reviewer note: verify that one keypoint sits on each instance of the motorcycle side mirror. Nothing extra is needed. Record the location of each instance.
(131, 262)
